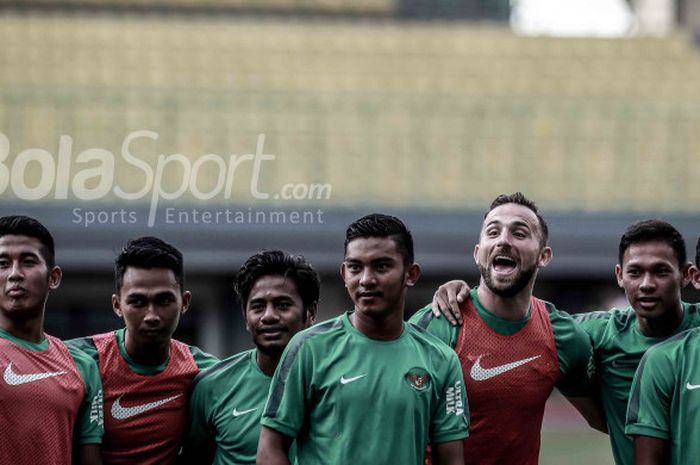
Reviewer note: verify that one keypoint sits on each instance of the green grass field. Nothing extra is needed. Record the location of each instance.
(567, 439)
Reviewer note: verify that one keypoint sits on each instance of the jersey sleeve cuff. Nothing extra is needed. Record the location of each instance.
(646, 430)
(92, 439)
(451, 436)
(281, 428)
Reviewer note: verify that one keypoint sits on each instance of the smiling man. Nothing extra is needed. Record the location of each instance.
(365, 387)
(50, 394)
(513, 348)
(663, 415)
(279, 294)
(145, 372)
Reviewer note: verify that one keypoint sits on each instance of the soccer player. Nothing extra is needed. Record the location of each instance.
(652, 270)
(514, 348)
(50, 394)
(279, 295)
(663, 415)
(145, 372)
(365, 387)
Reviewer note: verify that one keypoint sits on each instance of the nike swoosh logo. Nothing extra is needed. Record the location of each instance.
(122, 413)
(13, 379)
(478, 373)
(238, 413)
(692, 387)
(344, 380)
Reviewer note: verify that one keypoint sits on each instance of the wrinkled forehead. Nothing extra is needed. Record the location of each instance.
(510, 215)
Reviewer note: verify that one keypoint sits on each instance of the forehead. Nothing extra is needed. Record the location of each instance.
(272, 287)
(149, 280)
(511, 214)
(372, 248)
(650, 253)
(11, 243)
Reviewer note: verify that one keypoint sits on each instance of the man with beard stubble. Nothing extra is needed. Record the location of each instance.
(514, 348)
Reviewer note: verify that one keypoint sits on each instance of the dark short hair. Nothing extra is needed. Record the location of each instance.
(653, 230)
(149, 252)
(380, 225)
(697, 253)
(278, 263)
(520, 199)
(20, 225)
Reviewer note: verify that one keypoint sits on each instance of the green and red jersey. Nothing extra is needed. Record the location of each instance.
(510, 369)
(51, 401)
(145, 406)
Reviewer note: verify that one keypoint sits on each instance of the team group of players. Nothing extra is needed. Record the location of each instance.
(365, 387)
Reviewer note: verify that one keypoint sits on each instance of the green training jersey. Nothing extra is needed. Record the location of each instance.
(86, 344)
(571, 343)
(349, 399)
(618, 346)
(225, 407)
(665, 397)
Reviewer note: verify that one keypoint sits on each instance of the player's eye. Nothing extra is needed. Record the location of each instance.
(4, 263)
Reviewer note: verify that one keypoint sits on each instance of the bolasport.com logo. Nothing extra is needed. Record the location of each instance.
(93, 173)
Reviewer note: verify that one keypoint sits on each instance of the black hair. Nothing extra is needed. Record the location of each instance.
(26, 226)
(520, 199)
(278, 262)
(149, 252)
(653, 230)
(380, 225)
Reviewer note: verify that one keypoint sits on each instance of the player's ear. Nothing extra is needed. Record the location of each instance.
(55, 276)
(475, 254)
(545, 256)
(186, 299)
(342, 273)
(412, 274)
(618, 274)
(116, 306)
(311, 311)
(695, 276)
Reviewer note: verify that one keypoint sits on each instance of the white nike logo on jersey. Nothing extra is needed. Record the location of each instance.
(478, 373)
(122, 413)
(344, 380)
(692, 387)
(237, 413)
(13, 379)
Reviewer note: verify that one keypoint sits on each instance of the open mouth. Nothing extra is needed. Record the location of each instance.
(504, 264)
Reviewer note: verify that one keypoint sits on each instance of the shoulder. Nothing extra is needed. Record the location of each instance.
(319, 332)
(214, 374)
(82, 346)
(202, 359)
(428, 340)
(440, 327)
(675, 346)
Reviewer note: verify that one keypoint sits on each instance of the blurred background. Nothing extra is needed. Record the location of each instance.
(230, 126)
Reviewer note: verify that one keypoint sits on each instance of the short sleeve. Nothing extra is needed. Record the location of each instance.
(650, 398)
(288, 395)
(90, 421)
(451, 419)
(575, 355)
(200, 440)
